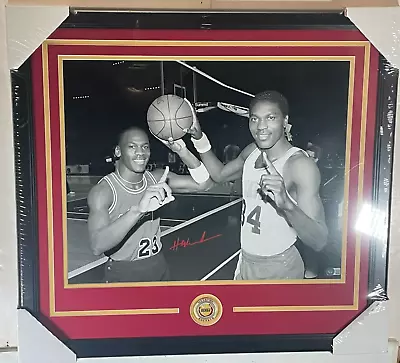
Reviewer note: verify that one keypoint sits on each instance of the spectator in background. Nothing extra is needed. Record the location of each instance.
(314, 151)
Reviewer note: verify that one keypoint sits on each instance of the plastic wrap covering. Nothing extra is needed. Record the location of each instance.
(386, 38)
(353, 338)
(197, 92)
(38, 23)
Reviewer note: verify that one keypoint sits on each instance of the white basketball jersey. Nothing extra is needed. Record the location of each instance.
(264, 232)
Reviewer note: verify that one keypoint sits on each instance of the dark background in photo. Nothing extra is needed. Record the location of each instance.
(104, 97)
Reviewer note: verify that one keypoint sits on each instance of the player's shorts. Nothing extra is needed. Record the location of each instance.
(154, 268)
(287, 265)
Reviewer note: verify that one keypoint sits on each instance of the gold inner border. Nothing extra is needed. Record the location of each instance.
(342, 280)
(49, 184)
(366, 46)
(163, 311)
(208, 58)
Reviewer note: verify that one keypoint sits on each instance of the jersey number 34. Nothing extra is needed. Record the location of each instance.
(253, 218)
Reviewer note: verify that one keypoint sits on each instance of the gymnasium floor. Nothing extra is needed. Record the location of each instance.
(200, 236)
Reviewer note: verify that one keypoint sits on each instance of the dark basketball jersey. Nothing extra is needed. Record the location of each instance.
(143, 240)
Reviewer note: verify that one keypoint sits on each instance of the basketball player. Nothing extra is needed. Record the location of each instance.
(121, 220)
(280, 186)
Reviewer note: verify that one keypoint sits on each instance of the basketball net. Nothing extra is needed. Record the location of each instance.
(202, 107)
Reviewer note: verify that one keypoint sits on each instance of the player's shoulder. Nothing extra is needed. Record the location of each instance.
(300, 159)
(100, 195)
(248, 150)
(302, 166)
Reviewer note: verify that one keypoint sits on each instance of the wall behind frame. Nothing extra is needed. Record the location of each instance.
(8, 241)
(213, 4)
(8, 255)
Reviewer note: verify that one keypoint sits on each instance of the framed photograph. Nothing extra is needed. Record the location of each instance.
(203, 183)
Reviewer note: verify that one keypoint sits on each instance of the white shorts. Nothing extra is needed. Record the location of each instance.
(287, 265)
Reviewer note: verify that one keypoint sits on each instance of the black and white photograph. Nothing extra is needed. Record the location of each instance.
(186, 170)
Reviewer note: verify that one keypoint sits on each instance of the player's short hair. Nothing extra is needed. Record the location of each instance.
(130, 128)
(273, 97)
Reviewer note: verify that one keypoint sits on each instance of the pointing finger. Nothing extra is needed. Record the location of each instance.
(270, 166)
(168, 190)
(164, 176)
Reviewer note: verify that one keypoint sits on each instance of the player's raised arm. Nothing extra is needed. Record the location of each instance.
(307, 217)
(105, 234)
(199, 178)
(185, 183)
(219, 172)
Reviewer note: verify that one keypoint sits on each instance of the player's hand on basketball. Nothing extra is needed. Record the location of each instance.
(174, 145)
(194, 130)
(156, 195)
(272, 184)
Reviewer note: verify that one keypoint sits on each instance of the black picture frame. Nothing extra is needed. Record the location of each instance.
(27, 200)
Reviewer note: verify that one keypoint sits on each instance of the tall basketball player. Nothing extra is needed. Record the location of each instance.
(121, 220)
(280, 186)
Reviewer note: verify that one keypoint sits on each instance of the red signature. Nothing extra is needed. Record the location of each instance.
(186, 243)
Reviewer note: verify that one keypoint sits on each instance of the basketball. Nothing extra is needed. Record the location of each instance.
(168, 116)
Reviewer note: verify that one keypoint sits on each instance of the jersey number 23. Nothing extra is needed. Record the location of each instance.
(148, 247)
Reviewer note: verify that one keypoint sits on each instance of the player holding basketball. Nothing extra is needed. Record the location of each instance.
(281, 201)
(121, 220)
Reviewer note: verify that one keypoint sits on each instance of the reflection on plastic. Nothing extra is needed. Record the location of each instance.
(378, 294)
(372, 222)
